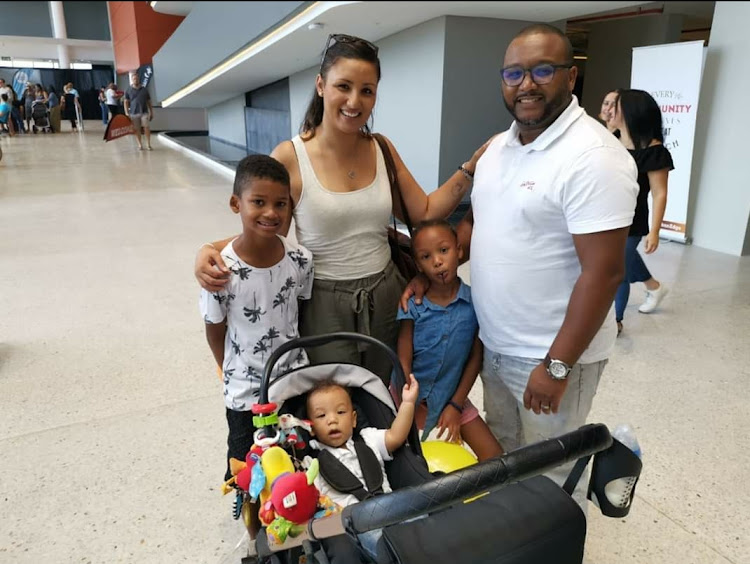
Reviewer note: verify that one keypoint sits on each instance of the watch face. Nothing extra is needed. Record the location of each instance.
(558, 370)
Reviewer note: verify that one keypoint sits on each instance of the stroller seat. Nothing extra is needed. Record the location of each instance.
(40, 115)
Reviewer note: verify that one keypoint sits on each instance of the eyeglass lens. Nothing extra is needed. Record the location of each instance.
(540, 74)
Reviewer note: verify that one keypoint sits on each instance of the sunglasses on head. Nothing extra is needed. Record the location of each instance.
(348, 39)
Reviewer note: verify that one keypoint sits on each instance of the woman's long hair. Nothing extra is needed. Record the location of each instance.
(642, 117)
(359, 50)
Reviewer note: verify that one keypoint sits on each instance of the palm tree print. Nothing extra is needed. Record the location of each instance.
(251, 372)
(235, 345)
(261, 347)
(227, 375)
(298, 257)
(253, 314)
(242, 271)
(266, 343)
(285, 293)
(219, 297)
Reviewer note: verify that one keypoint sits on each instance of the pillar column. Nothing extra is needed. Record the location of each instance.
(59, 30)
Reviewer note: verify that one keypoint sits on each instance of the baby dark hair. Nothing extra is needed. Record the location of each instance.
(259, 166)
(322, 386)
(432, 223)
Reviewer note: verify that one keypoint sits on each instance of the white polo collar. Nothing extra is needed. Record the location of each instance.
(555, 130)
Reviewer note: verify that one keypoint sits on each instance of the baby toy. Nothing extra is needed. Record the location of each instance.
(294, 501)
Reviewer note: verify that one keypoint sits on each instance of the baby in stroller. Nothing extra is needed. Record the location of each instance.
(40, 115)
(352, 466)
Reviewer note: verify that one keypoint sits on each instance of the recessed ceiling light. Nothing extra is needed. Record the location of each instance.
(315, 25)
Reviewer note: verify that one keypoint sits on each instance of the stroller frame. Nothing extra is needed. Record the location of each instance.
(40, 115)
(436, 494)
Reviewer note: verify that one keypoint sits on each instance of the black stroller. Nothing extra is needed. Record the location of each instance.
(499, 511)
(40, 115)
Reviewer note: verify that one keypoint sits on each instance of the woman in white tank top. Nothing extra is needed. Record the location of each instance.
(343, 204)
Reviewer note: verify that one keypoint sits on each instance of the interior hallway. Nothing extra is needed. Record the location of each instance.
(112, 428)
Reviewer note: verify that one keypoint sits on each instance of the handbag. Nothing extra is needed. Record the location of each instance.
(400, 243)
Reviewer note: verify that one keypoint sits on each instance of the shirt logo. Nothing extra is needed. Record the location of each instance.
(528, 185)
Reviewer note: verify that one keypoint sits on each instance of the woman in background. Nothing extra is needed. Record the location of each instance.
(638, 118)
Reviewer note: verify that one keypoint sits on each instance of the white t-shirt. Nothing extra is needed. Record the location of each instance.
(528, 201)
(375, 439)
(111, 96)
(260, 306)
(6, 90)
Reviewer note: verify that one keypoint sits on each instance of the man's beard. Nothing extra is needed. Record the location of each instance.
(553, 107)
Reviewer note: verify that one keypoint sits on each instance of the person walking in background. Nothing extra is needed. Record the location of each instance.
(103, 105)
(638, 118)
(29, 95)
(113, 99)
(53, 103)
(138, 107)
(70, 105)
(606, 113)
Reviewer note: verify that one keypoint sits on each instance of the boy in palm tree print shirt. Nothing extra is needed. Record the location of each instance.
(257, 309)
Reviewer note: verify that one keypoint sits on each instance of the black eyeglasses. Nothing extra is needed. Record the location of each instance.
(540, 74)
(343, 38)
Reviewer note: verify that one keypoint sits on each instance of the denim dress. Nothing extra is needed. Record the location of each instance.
(443, 337)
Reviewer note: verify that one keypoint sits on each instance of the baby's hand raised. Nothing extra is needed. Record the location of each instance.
(410, 393)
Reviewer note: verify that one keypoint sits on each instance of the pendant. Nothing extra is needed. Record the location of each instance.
(351, 174)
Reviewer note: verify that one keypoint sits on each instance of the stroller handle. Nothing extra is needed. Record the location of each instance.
(490, 475)
(319, 340)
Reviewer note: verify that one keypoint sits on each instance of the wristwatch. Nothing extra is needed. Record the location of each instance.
(557, 369)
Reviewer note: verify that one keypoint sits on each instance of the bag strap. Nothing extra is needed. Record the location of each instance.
(390, 166)
(343, 480)
(575, 475)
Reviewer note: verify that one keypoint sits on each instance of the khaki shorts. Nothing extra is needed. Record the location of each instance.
(140, 120)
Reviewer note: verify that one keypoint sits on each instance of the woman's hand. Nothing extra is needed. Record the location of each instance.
(416, 287)
(478, 154)
(651, 243)
(210, 271)
(450, 421)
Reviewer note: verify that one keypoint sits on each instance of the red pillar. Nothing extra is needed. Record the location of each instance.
(138, 32)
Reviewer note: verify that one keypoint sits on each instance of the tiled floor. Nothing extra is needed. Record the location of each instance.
(111, 416)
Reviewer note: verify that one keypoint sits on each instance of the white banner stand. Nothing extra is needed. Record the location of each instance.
(672, 75)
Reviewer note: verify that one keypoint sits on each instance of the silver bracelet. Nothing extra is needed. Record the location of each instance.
(208, 245)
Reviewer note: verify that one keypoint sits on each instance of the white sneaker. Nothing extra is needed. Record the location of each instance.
(653, 299)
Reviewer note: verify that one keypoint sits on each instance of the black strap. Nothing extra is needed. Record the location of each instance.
(390, 166)
(575, 475)
(341, 479)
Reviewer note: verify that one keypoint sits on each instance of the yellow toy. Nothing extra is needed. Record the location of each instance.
(446, 457)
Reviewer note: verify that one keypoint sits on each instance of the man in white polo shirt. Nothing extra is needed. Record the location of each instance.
(552, 202)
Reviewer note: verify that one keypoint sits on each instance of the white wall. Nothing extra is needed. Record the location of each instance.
(226, 121)
(410, 97)
(301, 88)
(720, 186)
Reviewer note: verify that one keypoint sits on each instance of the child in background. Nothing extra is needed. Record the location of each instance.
(438, 342)
(257, 310)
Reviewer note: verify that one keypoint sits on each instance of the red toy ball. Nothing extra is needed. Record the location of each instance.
(293, 498)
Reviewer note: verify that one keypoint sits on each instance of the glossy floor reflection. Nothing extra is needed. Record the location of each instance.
(111, 417)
